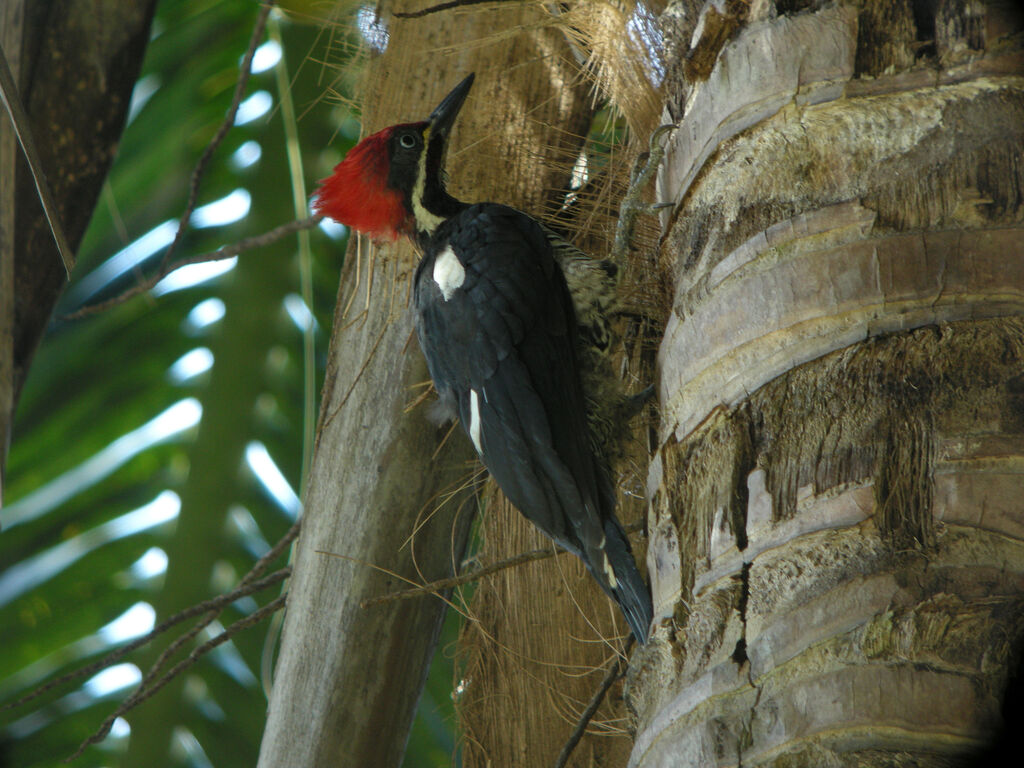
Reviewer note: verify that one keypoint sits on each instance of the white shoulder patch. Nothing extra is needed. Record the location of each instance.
(474, 421)
(449, 273)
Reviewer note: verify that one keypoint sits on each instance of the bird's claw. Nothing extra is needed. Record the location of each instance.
(659, 132)
(635, 403)
(643, 171)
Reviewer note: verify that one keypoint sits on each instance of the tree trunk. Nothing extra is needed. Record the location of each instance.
(384, 502)
(837, 539)
(75, 64)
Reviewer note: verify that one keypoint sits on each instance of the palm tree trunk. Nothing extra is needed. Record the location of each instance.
(837, 538)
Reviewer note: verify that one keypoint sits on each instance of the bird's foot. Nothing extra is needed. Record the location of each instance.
(632, 205)
(442, 411)
(633, 404)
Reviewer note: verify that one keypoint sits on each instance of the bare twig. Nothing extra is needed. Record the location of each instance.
(465, 578)
(247, 586)
(145, 690)
(210, 616)
(166, 266)
(142, 694)
(581, 726)
(245, 244)
(229, 120)
(440, 7)
(214, 604)
(474, 575)
(273, 553)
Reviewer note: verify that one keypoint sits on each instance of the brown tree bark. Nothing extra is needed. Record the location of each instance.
(75, 65)
(837, 539)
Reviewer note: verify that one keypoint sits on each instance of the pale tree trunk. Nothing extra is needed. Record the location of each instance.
(837, 530)
(384, 502)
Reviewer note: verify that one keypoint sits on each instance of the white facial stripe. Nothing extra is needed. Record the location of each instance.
(425, 220)
(474, 421)
(449, 273)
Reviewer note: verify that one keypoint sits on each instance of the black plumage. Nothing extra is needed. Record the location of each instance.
(506, 337)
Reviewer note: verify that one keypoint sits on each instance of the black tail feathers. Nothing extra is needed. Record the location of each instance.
(630, 590)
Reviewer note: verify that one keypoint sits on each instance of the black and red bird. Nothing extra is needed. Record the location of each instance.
(497, 324)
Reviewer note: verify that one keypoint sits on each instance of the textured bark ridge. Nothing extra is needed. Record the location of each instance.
(837, 539)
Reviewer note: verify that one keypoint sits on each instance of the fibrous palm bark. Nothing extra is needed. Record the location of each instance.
(837, 539)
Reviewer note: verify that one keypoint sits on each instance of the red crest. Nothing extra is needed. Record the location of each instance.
(357, 193)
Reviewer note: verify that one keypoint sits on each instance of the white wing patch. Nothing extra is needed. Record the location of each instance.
(608, 570)
(449, 273)
(474, 420)
(610, 573)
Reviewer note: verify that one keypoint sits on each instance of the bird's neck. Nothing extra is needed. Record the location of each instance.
(429, 208)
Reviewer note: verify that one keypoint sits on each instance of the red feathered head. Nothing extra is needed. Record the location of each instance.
(357, 193)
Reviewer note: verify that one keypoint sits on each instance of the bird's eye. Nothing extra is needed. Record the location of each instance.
(407, 140)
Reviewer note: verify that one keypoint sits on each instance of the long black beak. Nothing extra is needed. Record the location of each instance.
(442, 118)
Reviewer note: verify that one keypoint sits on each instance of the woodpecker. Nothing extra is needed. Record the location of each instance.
(501, 329)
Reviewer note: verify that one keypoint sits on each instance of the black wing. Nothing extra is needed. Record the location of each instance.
(496, 323)
(502, 347)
